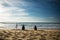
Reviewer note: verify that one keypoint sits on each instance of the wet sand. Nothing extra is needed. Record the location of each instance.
(18, 34)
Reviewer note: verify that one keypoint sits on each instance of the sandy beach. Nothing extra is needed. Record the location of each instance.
(18, 34)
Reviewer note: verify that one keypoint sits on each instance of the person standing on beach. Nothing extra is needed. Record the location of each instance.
(23, 27)
(35, 27)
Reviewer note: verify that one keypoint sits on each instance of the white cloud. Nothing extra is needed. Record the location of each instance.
(15, 2)
(16, 14)
(7, 13)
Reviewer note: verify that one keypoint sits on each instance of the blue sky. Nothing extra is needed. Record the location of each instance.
(29, 10)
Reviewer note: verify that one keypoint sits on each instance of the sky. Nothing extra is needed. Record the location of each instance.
(29, 10)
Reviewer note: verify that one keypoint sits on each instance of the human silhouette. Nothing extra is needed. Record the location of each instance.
(23, 27)
(35, 27)
(16, 26)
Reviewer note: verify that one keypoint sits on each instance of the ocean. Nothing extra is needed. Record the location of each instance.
(29, 25)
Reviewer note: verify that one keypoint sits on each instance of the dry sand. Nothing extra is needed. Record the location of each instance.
(29, 34)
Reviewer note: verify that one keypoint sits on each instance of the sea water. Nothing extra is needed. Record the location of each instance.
(30, 25)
